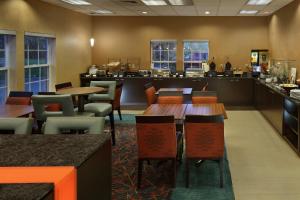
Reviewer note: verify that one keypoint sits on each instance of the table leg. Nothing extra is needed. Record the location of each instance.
(81, 103)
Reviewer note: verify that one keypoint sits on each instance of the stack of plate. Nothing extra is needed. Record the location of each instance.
(295, 93)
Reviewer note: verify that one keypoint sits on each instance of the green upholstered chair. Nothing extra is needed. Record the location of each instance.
(40, 103)
(18, 125)
(103, 109)
(55, 125)
(109, 96)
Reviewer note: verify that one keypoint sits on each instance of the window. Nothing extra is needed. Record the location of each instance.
(163, 54)
(195, 52)
(37, 63)
(7, 58)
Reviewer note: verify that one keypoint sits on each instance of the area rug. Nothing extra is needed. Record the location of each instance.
(156, 182)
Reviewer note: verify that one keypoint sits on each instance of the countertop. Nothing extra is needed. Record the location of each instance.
(49, 150)
(25, 191)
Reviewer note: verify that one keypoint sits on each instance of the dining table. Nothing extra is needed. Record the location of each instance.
(81, 92)
(11, 110)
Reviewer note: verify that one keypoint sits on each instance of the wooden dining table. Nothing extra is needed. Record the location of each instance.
(206, 109)
(81, 92)
(178, 110)
(9, 110)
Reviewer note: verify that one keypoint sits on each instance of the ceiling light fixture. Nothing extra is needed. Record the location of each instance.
(154, 2)
(248, 12)
(101, 11)
(207, 12)
(144, 12)
(77, 2)
(181, 2)
(259, 2)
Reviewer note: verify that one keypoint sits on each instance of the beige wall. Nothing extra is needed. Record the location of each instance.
(71, 29)
(284, 33)
(124, 37)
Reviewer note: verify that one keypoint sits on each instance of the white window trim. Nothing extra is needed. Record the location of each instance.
(50, 59)
(193, 62)
(163, 40)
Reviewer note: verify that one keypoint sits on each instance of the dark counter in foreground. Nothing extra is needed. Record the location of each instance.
(90, 154)
(26, 191)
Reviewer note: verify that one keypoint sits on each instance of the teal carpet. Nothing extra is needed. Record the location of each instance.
(204, 180)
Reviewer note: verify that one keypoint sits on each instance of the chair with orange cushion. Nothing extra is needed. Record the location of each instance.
(150, 94)
(170, 97)
(117, 101)
(19, 98)
(204, 139)
(53, 106)
(156, 139)
(204, 97)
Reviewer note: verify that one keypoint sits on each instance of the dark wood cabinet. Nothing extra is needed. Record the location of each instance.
(270, 104)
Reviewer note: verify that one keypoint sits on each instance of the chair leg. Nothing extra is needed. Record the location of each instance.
(140, 173)
(221, 166)
(187, 171)
(174, 172)
(40, 126)
(119, 112)
(112, 127)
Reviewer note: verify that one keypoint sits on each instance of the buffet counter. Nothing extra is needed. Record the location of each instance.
(232, 91)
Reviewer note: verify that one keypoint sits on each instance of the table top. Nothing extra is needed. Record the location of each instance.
(180, 110)
(186, 91)
(166, 109)
(9, 110)
(81, 90)
(49, 150)
(206, 109)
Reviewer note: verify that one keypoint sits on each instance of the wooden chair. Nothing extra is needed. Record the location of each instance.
(170, 97)
(150, 94)
(204, 139)
(64, 85)
(117, 101)
(156, 138)
(204, 97)
(19, 98)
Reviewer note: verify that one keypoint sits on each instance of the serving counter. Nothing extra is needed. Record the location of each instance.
(231, 91)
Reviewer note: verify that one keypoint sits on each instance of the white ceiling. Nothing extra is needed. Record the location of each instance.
(216, 8)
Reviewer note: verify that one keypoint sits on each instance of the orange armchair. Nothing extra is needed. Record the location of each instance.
(204, 139)
(170, 97)
(156, 138)
(204, 97)
(150, 94)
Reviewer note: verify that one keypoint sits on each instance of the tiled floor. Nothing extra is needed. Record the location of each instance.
(263, 166)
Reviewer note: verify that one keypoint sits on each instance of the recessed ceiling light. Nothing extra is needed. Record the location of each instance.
(181, 2)
(248, 12)
(77, 2)
(259, 2)
(207, 12)
(102, 11)
(154, 2)
(144, 12)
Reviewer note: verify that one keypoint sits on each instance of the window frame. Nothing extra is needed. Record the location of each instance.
(161, 62)
(38, 66)
(193, 61)
(10, 59)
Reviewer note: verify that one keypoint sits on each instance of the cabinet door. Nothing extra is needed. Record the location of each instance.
(233, 91)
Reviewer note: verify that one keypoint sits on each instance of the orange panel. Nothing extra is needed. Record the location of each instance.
(64, 178)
